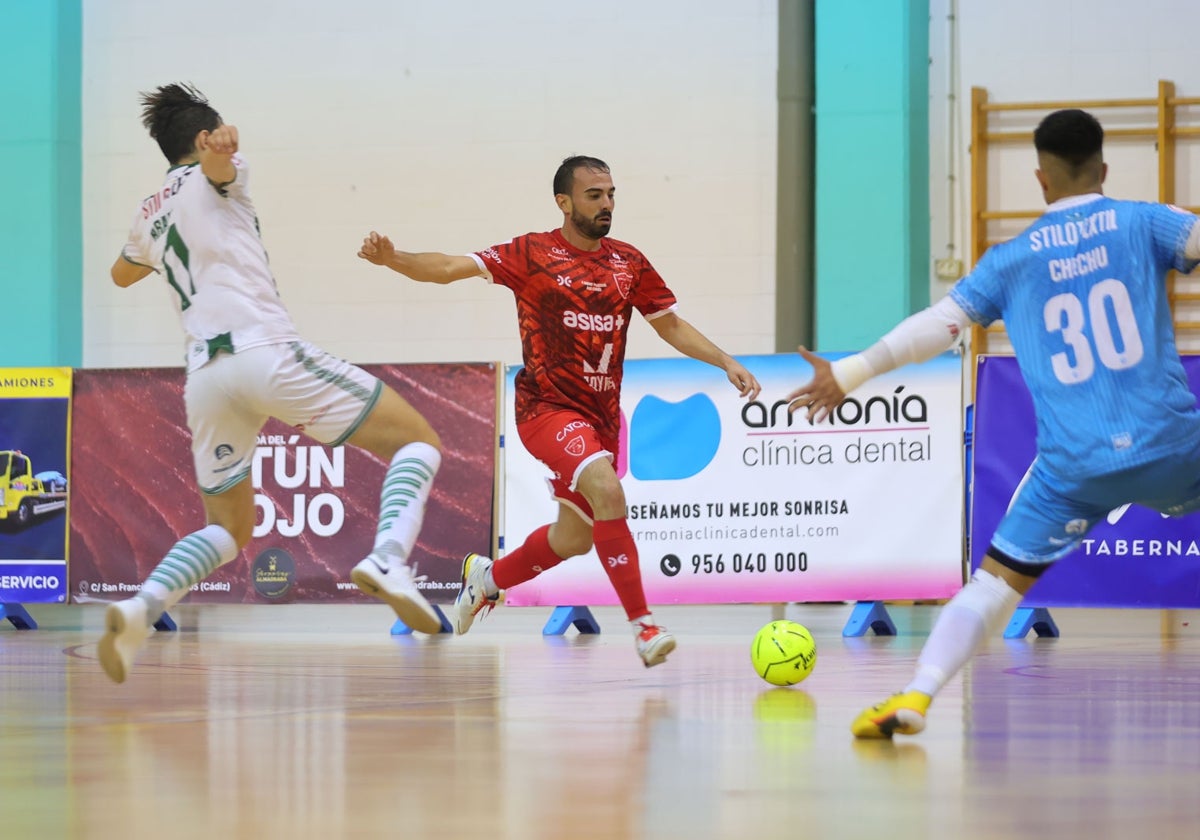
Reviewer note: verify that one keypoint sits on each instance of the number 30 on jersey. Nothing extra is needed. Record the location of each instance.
(1108, 307)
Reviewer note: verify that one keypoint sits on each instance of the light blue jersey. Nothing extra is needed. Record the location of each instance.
(1083, 298)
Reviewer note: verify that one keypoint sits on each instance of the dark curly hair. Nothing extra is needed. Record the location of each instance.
(174, 114)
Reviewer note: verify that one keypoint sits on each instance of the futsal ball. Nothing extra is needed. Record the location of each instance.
(783, 653)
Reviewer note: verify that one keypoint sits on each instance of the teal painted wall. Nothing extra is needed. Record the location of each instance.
(872, 168)
(41, 234)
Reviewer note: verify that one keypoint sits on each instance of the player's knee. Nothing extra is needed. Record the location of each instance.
(606, 497)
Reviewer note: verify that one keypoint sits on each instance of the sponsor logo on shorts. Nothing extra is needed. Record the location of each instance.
(573, 426)
(223, 451)
(576, 446)
(1076, 527)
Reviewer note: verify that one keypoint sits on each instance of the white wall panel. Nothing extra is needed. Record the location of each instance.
(441, 124)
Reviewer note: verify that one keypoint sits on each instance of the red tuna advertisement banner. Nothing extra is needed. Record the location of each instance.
(133, 491)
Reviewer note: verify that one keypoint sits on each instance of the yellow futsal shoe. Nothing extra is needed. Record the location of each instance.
(903, 713)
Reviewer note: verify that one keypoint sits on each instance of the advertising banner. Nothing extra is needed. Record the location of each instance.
(731, 501)
(35, 412)
(317, 506)
(1134, 558)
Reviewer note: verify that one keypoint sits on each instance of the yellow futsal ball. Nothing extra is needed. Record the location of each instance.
(783, 653)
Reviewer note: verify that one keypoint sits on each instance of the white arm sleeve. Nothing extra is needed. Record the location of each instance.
(915, 339)
(1191, 250)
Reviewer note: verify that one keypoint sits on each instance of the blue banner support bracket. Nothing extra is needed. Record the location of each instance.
(1036, 619)
(869, 615)
(564, 617)
(18, 615)
(402, 629)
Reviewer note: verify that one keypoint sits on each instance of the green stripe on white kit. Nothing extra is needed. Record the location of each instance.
(190, 561)
(228, 483)
(402, 485)
(345, 383)
(362, 416)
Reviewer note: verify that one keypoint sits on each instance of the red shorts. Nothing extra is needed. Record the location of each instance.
(566, 443)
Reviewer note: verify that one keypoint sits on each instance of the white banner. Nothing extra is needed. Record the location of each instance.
(732, 502)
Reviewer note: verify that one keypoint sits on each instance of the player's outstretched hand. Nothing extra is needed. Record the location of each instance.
(377, 249)
(742, 379)
(821, 395)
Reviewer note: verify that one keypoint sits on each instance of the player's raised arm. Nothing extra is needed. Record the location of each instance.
(915, 339)
(691, 342)
(427, 267)
(215, 150)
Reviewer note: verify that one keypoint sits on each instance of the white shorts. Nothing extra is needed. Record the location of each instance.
(230, 398)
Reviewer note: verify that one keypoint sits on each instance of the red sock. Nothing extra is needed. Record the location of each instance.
(527, 562)
(619, 557)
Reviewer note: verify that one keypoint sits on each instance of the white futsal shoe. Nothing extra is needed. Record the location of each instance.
(653, 642)
(125, 629)
(384, 575)
(473, 597)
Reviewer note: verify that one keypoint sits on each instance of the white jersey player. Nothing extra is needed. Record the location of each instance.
(246, 363)
(205, 242)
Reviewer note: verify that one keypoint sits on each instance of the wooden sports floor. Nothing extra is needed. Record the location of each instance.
(314, 722)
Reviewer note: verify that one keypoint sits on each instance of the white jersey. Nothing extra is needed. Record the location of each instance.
(205, 241)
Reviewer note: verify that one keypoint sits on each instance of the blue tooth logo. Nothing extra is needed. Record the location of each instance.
(673, 440)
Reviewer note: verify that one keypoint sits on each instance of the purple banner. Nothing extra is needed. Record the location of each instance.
(1135, 558)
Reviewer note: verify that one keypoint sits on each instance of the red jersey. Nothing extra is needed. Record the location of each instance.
(573, 311)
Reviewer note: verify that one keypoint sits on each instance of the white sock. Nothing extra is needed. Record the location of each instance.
(976, 612)
(637, 623)
(405, 491)
(189, 561)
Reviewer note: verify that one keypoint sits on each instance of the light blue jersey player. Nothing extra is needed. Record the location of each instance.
(1082, 295)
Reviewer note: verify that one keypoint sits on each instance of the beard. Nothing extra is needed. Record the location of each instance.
(591, 228)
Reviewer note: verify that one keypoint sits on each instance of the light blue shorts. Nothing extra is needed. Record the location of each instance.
(1050, 515)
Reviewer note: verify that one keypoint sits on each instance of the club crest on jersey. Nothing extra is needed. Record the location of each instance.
(624, 280)
(575, 446)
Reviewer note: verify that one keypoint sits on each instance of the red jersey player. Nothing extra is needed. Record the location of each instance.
(576, 290)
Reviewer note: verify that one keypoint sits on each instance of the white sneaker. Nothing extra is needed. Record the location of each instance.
(653, 643)
(472, 597)
(394, 582)
(125, 628)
